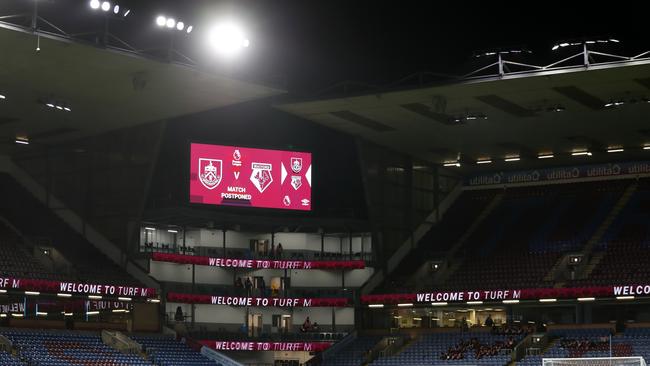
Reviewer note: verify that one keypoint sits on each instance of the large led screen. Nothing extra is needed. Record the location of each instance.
(240, 176)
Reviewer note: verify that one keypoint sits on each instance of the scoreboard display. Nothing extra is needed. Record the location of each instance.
(247, 177)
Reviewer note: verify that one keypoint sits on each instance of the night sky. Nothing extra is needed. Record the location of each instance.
(313, 44)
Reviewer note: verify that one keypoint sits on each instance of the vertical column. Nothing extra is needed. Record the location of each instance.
(223, 243)
(322, 245)
(350, 236)
(193, 291)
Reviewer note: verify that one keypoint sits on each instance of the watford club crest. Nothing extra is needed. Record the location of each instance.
(296, 181)
(261, 176)
(210, 172)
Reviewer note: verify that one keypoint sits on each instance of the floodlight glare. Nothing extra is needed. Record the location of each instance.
(180, 26)
(161, 20)
(228, 39)
(94, 4)
(171, 23)
(189, 29)
(116, 9)
(106, 6)
(127, 12)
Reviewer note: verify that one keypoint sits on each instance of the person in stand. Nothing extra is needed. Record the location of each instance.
(239, 286)
(488, 321)
(179, 314)
(279, 251)
(249, 286)
(262, 285)
(315, 327)
(463, 325)
(306, 326)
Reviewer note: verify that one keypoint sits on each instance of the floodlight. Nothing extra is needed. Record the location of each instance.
(180, 26)
(94, 4)
(161, 20)
(106, 6)
(228, 38)
(170, 23)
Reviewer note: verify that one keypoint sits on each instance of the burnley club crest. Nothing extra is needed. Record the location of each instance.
(296, 165)
(210, 172)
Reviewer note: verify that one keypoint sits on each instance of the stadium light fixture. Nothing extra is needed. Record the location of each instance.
(510, 301)
(3, 291)
(94, 297)
(547, 300)
(474, 302)
(2, 97)
(417, 319)
(17, 315)
(624, 297)
(454, 163)
(439, 303)
(150, 228)
(155, 301)
(41, 313)
(106, 6)
(514, 158)
(3, 315)
(581, 153)
(63, 295)
(32, 293)
(376, 305)
(646, 147)
(163, 21)
(545, 156)
(488, 161)
(67, 314)
(172, 231)
(228, 39)
(124, 298)
(586, 299)
(119, 310)
(95, 4)
(615, 150)
(22, 140)
(92, 313)
(405, 305)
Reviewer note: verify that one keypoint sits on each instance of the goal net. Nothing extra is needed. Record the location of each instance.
(597, 361)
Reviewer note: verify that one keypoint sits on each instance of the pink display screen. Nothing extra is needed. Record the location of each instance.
(241, 176)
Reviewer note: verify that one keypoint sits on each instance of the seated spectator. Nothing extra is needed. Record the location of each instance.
(306, 326)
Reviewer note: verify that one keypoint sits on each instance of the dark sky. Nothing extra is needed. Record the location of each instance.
(314, 44)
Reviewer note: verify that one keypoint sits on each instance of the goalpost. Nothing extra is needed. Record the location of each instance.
(595, 361)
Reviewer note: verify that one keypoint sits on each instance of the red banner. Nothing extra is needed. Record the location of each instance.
(509, 294)
(77, 288)
(265, 346)
(256, 301)
(255, 263)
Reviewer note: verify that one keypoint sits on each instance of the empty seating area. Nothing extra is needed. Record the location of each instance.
(64, 348)
(35, 220)
(528, 231)
(16, 261)
(467, 349)
(166, 351)
(625, 244)
(7, 359)
(354, 353)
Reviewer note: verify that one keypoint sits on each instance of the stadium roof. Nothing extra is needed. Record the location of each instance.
(105, 89)
(498, 117)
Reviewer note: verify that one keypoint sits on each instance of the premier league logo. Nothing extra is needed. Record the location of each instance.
(210, 172)
(296, 165)
(296, 181)
(236, 154)
(261, 176)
